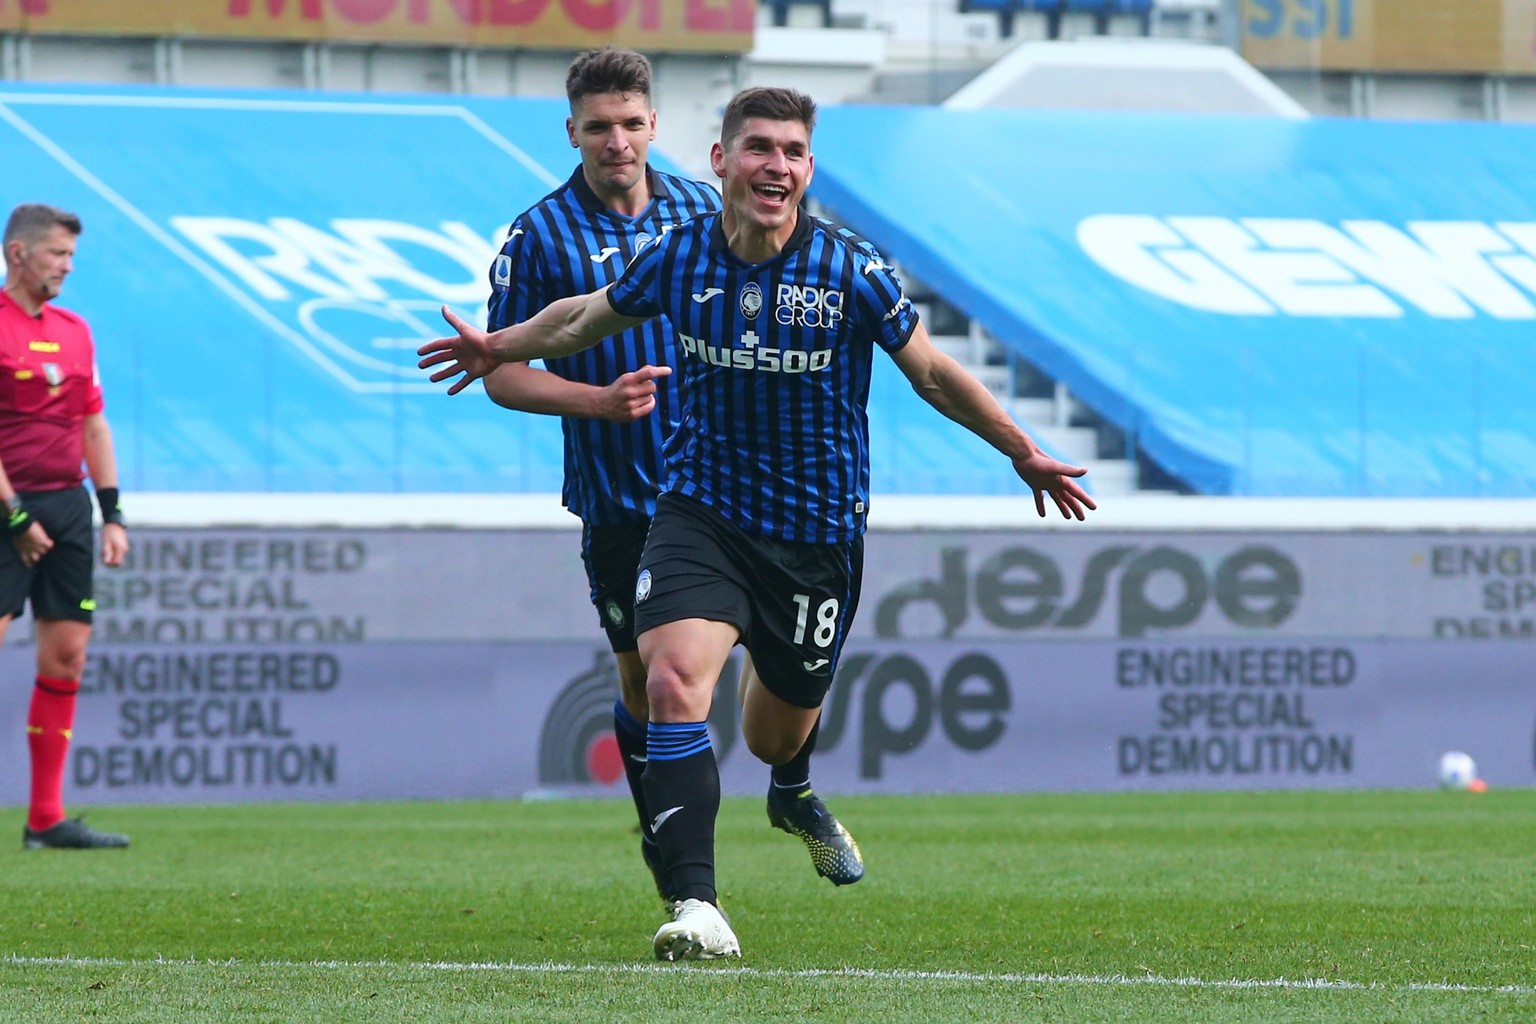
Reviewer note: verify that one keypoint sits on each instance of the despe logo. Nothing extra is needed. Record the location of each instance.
(1147, 589)
(890, 703)
(576, 742)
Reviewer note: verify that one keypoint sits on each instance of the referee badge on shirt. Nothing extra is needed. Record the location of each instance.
(751, 300)
(53, 373)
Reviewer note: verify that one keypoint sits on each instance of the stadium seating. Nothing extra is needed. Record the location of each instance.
(1101, 10)
(778, 10)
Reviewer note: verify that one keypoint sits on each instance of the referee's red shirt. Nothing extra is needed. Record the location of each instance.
(48, 385)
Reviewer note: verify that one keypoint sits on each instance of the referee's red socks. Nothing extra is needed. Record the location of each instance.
(50, 720)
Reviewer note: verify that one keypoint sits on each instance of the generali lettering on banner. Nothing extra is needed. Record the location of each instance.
(268, 664)
(702, 26)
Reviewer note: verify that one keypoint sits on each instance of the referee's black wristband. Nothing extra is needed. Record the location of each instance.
(18, 519)
(111, 510)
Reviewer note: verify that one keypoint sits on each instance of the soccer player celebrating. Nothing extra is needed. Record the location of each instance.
(757, 536)
(616, 400)
(51, 420)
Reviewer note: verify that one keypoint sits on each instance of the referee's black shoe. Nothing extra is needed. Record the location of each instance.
(833, 851)
(71, 834)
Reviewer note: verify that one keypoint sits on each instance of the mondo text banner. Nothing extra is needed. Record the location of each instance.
(710, 26)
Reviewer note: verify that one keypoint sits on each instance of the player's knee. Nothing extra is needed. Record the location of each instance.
(673, 695)
(62, 662)
(773, 749)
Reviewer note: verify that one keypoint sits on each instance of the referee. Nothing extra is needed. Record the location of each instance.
(757, 537)
(51, 420)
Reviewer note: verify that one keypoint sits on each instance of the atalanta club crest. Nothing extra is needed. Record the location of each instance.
(751, 300)
(615, 614)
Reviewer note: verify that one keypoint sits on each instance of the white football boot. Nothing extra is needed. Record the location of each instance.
(697, 931)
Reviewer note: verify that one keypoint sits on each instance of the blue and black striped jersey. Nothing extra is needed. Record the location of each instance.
(775, 360)
(569, 243)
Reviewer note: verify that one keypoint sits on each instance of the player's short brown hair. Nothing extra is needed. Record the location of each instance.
(30, 221)
(607, 70)
(773, 104)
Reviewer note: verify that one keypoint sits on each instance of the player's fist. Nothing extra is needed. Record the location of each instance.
(32, 543)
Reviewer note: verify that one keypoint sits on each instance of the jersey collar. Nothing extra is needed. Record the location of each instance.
(798, 239)
(7, 302)
(588, 198)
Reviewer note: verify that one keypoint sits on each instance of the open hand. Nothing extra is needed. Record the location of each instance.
(1046, 475)
(469, 354)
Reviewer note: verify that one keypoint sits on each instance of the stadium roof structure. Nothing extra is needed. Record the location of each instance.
(1266, 306)
(1109, 73)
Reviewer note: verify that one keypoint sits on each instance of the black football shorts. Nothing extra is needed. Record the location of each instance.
(612, 556)
(59, 585)
(792, 602)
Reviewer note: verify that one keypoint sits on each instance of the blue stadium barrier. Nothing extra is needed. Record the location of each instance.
(1264, 306)
(259, 268)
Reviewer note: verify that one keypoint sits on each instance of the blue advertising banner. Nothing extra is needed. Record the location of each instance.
(1266, 306)
(259, 269)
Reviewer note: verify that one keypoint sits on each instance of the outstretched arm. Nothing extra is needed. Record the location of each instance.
(944, 384)
(560, 328)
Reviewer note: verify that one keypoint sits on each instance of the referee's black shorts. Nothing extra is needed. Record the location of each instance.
(792, 602)
(59, 585)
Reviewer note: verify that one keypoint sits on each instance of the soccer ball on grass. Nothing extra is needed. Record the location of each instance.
(1458, 771)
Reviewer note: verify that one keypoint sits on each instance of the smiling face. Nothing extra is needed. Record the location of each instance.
(614, 131)
(766, 167)
(35, 267)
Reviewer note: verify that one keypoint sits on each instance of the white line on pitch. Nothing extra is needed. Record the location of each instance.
(1006, 977)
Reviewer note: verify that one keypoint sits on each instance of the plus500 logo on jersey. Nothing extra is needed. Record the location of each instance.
(750, 357)
(1158, 588)
(808, 306)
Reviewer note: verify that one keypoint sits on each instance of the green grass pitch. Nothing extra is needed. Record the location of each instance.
(1264, 907)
